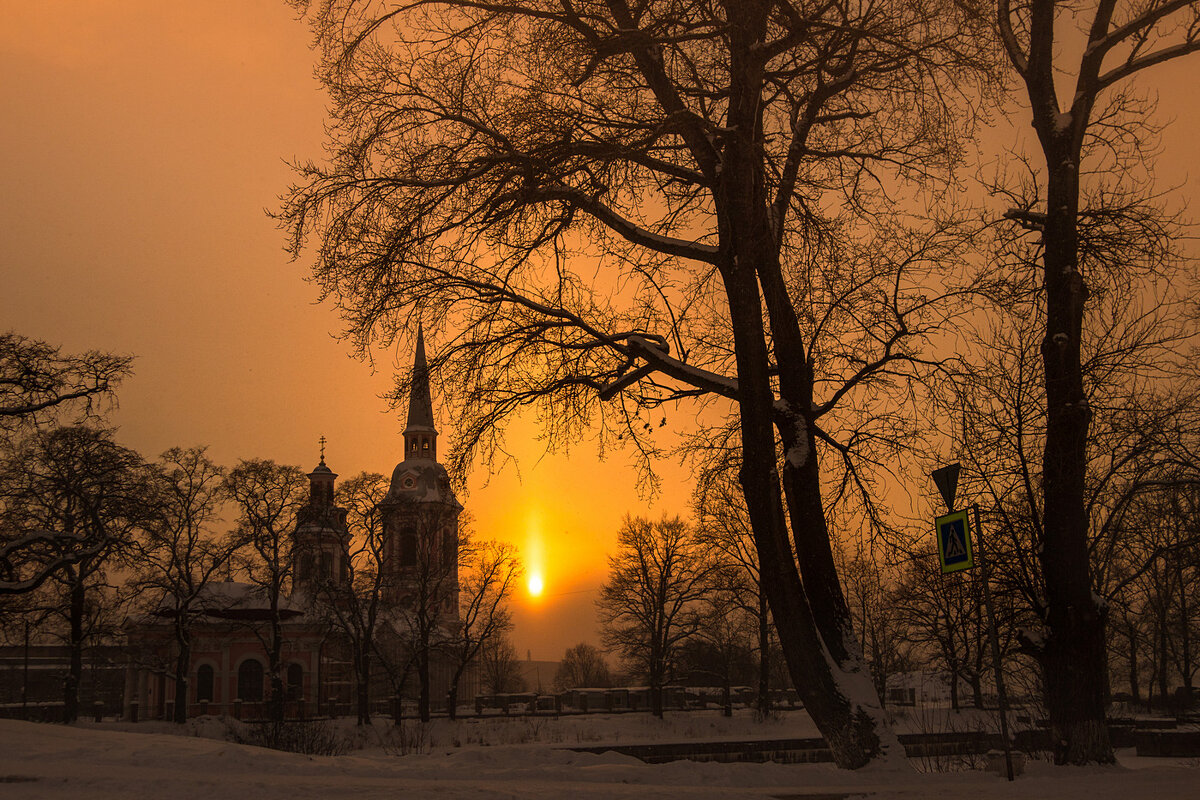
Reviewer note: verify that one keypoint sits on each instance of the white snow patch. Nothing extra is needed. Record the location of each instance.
(103, 763)
(1033, 637)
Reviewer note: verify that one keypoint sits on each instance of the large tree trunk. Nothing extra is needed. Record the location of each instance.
(183, 660)
(1072, 654)
(452, 696)
(656, 691)
(75, 649)
(836, 709)
(1185, 638)
(811, 616)
(976, 684)
(275, 668)
(657, 670)
(423, 681)
(1135, 690)
(764, 656)
(1073, 657)
(362, 680)
(1162, 660)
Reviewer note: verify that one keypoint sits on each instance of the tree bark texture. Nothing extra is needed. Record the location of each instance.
(764, 655)
(1072, 655)
(183, 659)
(75, 646)
(423, 699)
(807, 605)
(362, 680)
(1073, 658)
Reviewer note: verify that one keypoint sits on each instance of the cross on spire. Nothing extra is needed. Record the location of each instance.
(322, 441)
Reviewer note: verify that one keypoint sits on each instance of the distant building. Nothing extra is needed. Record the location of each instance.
(228, 669)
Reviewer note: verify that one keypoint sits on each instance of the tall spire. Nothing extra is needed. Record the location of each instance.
(420, 435)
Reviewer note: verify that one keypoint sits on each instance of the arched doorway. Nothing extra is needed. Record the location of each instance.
(250, 681)
(204, 683)
(295, 682)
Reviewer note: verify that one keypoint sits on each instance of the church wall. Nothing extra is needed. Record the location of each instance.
(224, 647)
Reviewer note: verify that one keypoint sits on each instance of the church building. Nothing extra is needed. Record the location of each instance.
(228, 662)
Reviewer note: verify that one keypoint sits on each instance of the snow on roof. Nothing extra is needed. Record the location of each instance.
(233, 600)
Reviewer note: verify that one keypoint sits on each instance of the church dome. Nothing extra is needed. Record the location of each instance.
(421, 481)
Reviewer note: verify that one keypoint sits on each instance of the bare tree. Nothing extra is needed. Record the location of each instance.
(582, 666)
(501, 672)
(941, 618)
(178, 555)
(649, 604)
(90, 493)
(490, 572)
(37, 382)
(38, 379)
(1154, 603)
(720, 169)
(870, 590)
(1117, 40)
(723, 525)
(268, 496)
(723, 644)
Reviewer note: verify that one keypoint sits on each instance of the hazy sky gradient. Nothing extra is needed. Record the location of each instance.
(142, 141)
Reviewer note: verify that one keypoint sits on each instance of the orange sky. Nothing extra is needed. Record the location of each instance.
(142, 141)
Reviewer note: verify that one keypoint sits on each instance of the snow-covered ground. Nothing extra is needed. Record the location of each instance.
(510, 758)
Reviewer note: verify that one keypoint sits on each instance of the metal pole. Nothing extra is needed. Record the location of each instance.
(25, 677)
(1001, 695)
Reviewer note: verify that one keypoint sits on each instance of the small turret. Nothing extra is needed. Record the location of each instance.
(320, 483)
(321, 535)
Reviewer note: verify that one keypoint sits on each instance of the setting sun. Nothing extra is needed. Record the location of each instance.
(535, 585)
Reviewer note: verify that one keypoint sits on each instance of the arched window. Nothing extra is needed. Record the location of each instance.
(295, 682)
(250, 681)
(204, 683)
(408, 549)
(306, 567)
(326, 566)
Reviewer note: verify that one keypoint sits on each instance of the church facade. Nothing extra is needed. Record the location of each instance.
(228, 670)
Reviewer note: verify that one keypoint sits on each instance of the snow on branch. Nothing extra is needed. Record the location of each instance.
(655, 351)
(31, 559)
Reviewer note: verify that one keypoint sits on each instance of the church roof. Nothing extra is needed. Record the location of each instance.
(421, 480)
(232, 600)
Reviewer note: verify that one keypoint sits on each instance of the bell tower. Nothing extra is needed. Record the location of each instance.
(420, 512)
(321, 536)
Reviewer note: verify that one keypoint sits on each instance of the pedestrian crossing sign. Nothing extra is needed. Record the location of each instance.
(954, 541)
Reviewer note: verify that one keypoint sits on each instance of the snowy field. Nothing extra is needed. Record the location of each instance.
(510, 758)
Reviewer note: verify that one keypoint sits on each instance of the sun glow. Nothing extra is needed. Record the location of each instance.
(535, 585)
